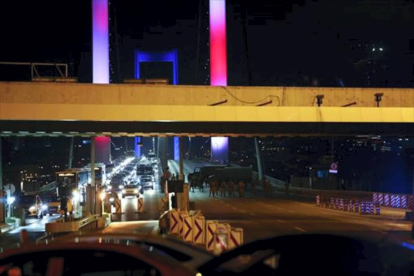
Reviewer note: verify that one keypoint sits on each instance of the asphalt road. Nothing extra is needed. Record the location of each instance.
(279, 214)
(34, 227)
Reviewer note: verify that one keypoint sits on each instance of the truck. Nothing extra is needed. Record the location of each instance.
(204, 173)
(244, 174)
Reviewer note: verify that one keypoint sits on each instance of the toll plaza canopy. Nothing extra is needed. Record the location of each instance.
(54, 109)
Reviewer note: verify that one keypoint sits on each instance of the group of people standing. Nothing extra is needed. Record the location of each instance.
(229, 187)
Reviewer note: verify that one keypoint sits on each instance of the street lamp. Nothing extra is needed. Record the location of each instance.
(310, 177)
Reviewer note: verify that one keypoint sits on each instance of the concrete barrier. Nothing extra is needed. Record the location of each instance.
(91, 222)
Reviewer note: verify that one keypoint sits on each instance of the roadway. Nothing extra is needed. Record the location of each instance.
(34, 227)
(262, 216)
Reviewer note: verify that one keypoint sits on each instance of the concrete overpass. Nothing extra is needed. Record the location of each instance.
(56, 109)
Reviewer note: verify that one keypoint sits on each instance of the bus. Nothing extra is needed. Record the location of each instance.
(100, 173)
(76, 181)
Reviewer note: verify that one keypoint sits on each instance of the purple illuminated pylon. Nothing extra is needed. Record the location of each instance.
(218, 67)
(100, 65)
(100, 41)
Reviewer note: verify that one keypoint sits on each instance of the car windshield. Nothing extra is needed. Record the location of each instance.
(234, 127)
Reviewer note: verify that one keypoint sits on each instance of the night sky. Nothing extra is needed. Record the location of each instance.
(290, 42)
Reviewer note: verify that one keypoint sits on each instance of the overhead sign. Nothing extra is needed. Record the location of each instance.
(333, 168)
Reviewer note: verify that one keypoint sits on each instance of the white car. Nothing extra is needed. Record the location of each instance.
(130, 190)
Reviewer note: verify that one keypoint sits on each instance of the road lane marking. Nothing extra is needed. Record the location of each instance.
(252, 214)
(243, 211)
(379, 231)
(300, 229)
(292, 211)
(281, 221)
(234, 208)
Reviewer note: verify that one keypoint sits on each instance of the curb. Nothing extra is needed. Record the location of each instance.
(155, 230)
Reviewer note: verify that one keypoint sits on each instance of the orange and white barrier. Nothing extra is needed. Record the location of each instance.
(221, 238)
(187, 233)
(199, 229)
(236, 238)
(140, 205)
(211, 227)
(181, 226)
(175, 222)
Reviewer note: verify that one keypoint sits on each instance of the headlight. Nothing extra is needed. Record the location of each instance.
(103, 195)
(121, 186)
(123, 191)
(111, 199)
(44, 207)
(10, 200)
(32, 208)
(136, 191)
(108, 188)
(75, 195)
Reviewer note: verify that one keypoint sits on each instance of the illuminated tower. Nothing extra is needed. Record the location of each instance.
(100, 65)
(218, 67)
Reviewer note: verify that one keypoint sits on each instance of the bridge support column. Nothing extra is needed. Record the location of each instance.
(177, 148)
(137, 147)
(258, 158)
(102, 149)
(70, 158)
(218, 64)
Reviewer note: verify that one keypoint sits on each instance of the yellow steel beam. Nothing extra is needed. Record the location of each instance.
(157, 113)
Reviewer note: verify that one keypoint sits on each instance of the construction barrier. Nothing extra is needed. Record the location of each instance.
(375, 197)
(363, 210)
(332, 203)
(336, 203)
(187, 228)
(381, 199)
(370, 208)
(357, 205)
(346, 204)
(175, 222)
(211, 227)
(403, 201)
(236, 238)
(198, 229)
(341, 204)
(351, 205)
(181, 226)
(411, 202)
(140, 205)
(377, 209)
(221, 238)
(318, 201)
(386, 200)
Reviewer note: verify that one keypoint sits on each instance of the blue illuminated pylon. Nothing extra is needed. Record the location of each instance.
(137, 147)
(168, 56)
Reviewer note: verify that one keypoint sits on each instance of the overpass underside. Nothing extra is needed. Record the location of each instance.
(51, 109)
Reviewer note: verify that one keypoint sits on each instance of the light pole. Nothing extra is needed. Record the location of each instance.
(310, 177)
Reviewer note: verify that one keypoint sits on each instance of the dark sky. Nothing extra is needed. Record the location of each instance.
(289, 43)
